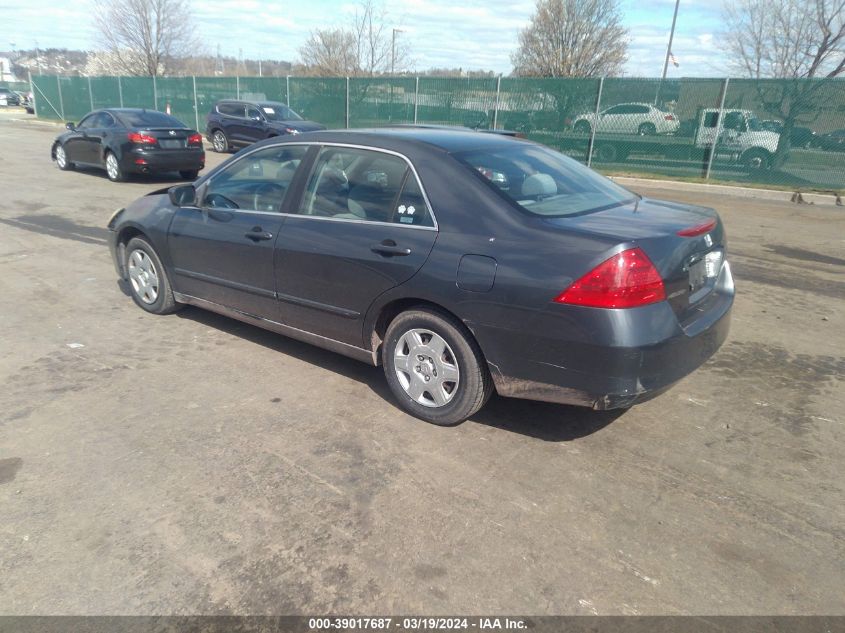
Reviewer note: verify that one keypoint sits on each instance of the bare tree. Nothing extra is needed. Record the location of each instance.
(145, 37)
(800, 42)
(330, 52)
(572, 38)
(364, 48)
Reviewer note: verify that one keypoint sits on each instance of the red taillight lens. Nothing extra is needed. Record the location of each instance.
(195, 139)
(141, 139)
(669, 117)
(698, 229)
(626, 280)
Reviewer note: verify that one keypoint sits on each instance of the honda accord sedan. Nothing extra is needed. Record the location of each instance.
(130, 141)
(461, 262)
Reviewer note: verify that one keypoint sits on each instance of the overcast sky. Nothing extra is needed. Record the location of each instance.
(473, 34)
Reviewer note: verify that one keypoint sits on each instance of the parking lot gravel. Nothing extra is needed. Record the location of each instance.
(194, 464)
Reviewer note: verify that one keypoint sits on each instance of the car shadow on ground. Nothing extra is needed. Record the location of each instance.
(540, 420)
(58, 226)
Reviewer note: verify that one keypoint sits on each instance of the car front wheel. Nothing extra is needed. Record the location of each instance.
(148, 282)
(62, 161)
(434, 368)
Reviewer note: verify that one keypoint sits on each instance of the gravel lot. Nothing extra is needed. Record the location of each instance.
(193, 464)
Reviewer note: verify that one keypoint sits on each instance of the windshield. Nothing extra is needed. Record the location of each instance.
(279, 112)
(754, 124)
(545, 182)
(148, 118)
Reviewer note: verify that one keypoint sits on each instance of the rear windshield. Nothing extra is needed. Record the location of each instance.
(545, 182)
(149, 118)
(279, 112)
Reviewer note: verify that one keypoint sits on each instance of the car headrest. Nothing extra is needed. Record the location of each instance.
(539, 185)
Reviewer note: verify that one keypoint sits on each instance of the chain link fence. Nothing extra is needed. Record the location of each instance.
(788, 133)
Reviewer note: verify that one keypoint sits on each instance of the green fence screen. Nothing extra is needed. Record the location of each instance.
(786, 133)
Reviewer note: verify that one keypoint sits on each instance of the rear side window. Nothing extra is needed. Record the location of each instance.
(149, 118)
(231, 109)
(411, 207)
(544, 182)
(356, 184)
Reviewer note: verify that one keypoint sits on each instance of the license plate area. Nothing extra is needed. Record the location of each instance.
(703, 272)
(171, 143)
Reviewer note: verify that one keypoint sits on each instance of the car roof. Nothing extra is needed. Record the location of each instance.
(401, 137)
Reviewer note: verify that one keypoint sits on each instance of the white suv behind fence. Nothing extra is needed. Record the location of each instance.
(628, 118)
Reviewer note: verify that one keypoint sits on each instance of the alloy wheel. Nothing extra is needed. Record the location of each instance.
(143, 276)
(112, 168)
(61, 157)
(426, 368)
(219, 142)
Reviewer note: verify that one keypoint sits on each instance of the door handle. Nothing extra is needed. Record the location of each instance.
(258, 234)
(388, 248)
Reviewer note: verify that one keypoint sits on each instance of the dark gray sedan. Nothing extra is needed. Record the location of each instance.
(462, 262)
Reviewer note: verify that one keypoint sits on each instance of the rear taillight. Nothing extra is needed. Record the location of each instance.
(626, 280)
(141, 139)
(698, 229)
(195, 139)
(669, 117)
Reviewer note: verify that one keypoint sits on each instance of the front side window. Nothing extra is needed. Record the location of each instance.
(257, 182)
(253, 113)
(544, 182)
(88, 122)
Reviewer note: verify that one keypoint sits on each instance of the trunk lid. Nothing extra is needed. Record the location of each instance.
(168, 137)
(689, 266)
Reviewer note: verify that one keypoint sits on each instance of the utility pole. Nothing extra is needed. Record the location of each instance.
(393, 51)
(668, 52)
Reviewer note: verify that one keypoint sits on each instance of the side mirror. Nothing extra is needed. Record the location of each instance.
(183, 195)
(70, 125)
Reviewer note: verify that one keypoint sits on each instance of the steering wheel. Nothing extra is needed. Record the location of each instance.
(264, 191)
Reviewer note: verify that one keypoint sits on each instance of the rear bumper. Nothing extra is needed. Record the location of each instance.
(606, 359)
(163, 160)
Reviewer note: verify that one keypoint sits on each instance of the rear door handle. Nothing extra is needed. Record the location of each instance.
(388, 248)
(258, 234)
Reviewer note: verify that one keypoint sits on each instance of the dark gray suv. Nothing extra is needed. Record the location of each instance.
(234, 124)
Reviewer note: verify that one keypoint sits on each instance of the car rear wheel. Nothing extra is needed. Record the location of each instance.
(647, 129)
(189, 175)
(148, 282)
(219, 141)
(113, 170)
(61, 158)
(434, 367)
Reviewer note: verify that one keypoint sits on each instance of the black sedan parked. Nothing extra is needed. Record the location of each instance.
(232, 124)
(461, 262)
(129, 140)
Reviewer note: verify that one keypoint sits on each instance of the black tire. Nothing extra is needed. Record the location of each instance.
(582, 127)
(190, 174)
(164, 302)
(756, 159)
(647, 129)
(63, 164)
(114, 171)
(220, 142)
(474, 384)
